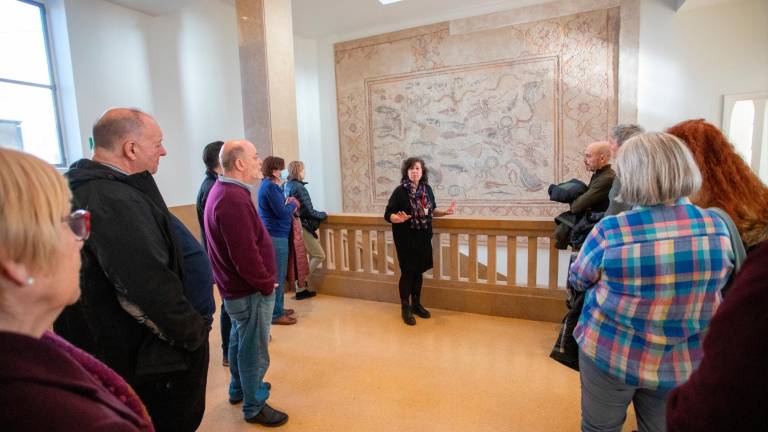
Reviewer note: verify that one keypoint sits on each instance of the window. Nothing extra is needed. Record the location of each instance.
(29, 117)
(745, 122)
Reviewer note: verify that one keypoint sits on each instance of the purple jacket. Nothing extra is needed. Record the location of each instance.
(48, 384)
(239, 246)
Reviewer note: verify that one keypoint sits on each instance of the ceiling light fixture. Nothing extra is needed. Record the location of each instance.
(386, 2)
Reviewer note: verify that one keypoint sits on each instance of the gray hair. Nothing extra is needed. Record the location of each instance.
(227, 157)
(622, 132)
(655, 168)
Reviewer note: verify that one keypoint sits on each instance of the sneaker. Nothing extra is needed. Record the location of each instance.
(237, 401)
(419, 310)
(269, 417)
(301, 295)
(284, 320)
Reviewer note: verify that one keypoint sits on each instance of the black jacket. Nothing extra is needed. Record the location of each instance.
(310, 218)
(202, 197)
(131, 252)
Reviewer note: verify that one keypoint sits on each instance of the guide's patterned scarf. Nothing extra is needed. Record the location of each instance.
(421, 206)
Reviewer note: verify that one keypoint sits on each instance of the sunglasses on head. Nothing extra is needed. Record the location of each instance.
(80, 223)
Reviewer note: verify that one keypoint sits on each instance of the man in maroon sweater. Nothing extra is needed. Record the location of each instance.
(727, 392)
(244, 268)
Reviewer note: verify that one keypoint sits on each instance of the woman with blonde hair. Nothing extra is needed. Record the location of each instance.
(727, 181)
(310, 221)
(45, 382)
(652, 277)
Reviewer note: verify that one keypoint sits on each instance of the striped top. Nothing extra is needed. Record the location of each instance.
(657, 274)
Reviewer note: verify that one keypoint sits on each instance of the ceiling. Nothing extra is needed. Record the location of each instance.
(319, 18)
(316, 18)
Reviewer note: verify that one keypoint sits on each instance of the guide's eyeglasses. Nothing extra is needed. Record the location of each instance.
(80, 223)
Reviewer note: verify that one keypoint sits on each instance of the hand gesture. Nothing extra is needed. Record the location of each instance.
(452, 209)
(399, 217)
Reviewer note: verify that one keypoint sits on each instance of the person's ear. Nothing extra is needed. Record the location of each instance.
(15, 272)
(130, 150)
(239, 164)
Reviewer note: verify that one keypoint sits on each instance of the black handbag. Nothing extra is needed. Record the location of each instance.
(566, 350)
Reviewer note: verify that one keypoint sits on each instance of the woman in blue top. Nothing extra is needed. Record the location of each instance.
(277, 213)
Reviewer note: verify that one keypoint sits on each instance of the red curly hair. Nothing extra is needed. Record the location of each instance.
(727, 181)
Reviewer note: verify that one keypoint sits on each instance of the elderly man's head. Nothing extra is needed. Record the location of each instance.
(130, 139)
(620, 133)
(597, 155)
(240, 160)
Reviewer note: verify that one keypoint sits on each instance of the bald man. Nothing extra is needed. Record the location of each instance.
(597, 157)
(133, 313)
(245, 270)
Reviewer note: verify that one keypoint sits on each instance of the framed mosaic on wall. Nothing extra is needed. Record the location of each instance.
(497, 114)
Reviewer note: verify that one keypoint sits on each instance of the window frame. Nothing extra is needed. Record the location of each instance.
(53, 79)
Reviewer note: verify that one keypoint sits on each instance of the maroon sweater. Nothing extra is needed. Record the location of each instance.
(239, 246)
(728, 391)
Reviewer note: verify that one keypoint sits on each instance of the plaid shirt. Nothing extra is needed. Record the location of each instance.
(656, 274)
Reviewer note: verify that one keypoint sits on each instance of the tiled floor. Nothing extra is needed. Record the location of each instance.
(352, 365)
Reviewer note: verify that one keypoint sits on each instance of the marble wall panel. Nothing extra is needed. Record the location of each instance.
(498, 114)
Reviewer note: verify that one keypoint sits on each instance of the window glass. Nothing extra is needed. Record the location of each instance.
(28, 109)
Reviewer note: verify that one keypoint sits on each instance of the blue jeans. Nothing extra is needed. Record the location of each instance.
(249, 350)
(604, 401)
(281, 256)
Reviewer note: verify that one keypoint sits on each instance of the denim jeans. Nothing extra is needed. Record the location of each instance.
(281, 256)
(226, 329)
(249, 350)
(604, 401)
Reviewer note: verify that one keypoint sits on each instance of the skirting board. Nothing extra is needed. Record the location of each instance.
(524, 306)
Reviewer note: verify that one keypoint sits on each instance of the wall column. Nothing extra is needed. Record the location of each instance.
(265, 38)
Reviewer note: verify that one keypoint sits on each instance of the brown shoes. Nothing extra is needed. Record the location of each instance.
(284, 320)
(289, 312)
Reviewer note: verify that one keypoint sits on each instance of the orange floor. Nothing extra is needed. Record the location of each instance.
(352, 365)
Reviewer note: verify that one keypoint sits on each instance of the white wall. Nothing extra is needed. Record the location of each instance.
(182, 67)
(311, 152)
(687, 61)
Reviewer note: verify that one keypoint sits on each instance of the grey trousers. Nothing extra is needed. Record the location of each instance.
(604, 402)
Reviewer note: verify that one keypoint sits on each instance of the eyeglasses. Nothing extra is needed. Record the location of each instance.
(80, 223)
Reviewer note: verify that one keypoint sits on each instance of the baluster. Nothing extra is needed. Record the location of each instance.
(472, 261)
(491, 275)
(532, 261)
(381, 259)
(554, 260)
(511, 260)
(366, 251)
(323, 237)
(354, 257)
(454, 251)
(337, 250)
(437, 257)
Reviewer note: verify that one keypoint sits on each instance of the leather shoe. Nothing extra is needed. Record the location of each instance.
(408, 315)
(289, 312)
(269, 417)
(301, 295)
(237, 401)
(284, 320)
(419, 310)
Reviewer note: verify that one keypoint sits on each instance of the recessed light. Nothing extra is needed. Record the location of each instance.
(386, 2)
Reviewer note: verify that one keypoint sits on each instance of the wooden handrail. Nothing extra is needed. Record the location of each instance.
(466, 250)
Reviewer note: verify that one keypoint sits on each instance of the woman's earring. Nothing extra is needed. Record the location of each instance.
(30, 280)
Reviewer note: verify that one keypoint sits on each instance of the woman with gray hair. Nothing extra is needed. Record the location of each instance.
(652, 277)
